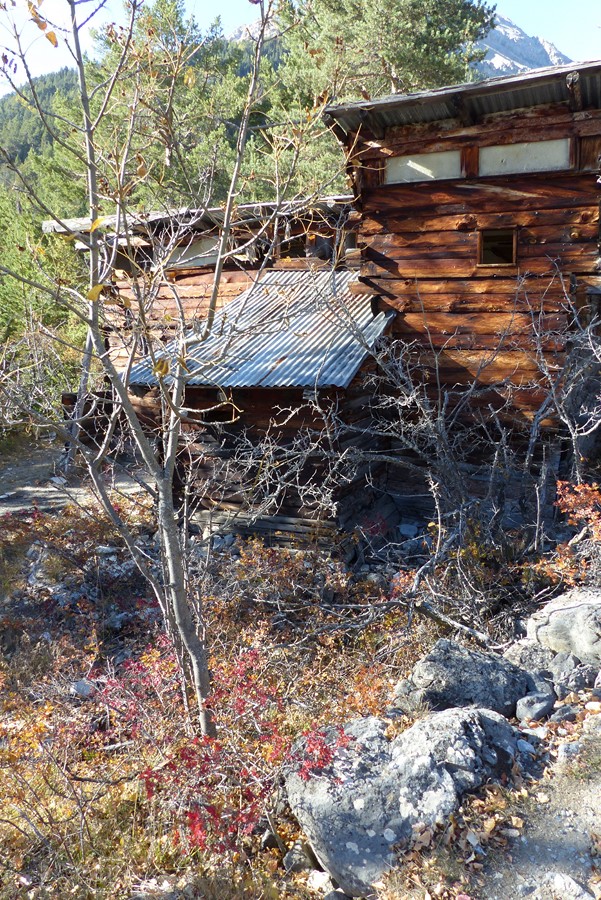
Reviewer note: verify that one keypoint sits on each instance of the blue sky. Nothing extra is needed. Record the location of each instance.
(575, 28)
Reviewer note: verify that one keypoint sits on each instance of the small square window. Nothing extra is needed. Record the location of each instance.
(497, 247)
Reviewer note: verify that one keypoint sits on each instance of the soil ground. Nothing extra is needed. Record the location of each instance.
(30, 475)
(561, 834)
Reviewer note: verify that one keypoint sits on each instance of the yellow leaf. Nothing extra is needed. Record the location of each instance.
(97, 223)
(190, 78)
(41, 23)
(161, 368)
(52, 38)
(490, 825)
(182, 363)
(95, 292)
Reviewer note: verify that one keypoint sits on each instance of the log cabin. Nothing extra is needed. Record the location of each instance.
(158, 262)
(477, 219)
(282, 367)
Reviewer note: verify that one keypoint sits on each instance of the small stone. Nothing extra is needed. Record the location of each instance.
(534, 706)
(525, 747)
(296, 860)
(269, 841)
(319, 881)
(337, 895)
(83, 689)
(565, 713)
(567, 753)
(566, 887)
(540, 732)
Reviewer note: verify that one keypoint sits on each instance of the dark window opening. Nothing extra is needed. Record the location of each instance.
(497, 247)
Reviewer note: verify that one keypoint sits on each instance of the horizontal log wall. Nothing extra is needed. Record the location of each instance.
(226, 493)
(418, 250)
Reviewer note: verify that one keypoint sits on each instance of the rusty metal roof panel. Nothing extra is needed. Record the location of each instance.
(290, 329)
(190, 217)
(509, 93)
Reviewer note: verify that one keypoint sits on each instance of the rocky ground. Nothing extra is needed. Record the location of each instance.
(549, 830)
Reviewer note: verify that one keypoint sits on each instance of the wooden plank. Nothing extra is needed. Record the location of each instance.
(463, 367)
(476, 323)
(414, 300)
(483, 283)
(478, 341)
(395, 223)
(457, 267)
(485, 195)
(590, 151)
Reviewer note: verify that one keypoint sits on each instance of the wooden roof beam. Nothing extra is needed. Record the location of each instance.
(462, 110)
(575, 91)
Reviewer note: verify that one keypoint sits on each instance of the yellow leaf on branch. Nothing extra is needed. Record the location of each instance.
(95, 292)
(161, 368)
(52, 38)
(142, 168)
(190, 78)
(97, 223)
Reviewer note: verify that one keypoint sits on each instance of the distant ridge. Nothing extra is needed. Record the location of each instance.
(509, 51)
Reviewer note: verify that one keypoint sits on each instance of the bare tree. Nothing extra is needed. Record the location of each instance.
(114, 166)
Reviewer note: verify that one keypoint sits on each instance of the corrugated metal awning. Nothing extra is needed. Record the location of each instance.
(299, 329)
(476, 99)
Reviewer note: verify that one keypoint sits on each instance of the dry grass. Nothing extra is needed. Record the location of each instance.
(101, 795)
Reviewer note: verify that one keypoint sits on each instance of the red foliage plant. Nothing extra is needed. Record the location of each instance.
(581, 503)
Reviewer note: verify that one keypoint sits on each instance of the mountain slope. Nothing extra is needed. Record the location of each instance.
(509, 51)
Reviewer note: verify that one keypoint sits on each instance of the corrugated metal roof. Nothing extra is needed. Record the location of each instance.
(199, 218)
(480, 98)
(291, 329)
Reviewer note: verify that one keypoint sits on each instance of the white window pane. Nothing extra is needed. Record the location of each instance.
(424, 167)
(196, 253)
(535, 156)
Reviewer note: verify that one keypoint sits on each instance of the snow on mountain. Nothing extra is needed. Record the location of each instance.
(509, 51)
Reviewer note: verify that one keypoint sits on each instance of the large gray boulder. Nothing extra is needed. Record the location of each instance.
(570, 624)
(452, 675)
(368, 791)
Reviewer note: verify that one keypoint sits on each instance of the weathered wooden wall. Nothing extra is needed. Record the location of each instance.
(418, 249)
(227, 490)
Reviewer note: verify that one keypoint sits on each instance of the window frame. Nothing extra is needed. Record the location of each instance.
(513, 229)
